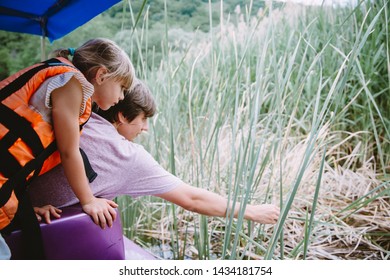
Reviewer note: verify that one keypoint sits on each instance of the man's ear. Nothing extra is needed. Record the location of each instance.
(100, 75)
(121, 118)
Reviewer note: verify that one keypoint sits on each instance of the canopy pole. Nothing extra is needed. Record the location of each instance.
(43, 48)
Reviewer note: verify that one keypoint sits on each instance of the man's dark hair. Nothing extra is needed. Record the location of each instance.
(136, 101)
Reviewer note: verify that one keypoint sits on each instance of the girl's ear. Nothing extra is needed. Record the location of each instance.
(100, 75)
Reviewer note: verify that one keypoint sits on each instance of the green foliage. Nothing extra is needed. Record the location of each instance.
(21, 50)
(17, 51)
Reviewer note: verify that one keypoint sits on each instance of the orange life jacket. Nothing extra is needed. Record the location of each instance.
(27, 142)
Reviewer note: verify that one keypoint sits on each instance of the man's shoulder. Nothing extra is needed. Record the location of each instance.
(95, 119)
(97, 127)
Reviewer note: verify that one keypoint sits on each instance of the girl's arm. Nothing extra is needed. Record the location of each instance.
(211, 204)
(66, 102)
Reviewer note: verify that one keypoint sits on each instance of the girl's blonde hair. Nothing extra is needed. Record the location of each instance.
(101, 52)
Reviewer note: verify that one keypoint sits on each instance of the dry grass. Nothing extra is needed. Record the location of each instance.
(362, 232)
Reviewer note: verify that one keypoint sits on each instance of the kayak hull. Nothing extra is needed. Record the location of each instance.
(75, 236)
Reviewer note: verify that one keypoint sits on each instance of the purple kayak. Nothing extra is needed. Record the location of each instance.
(75, 237)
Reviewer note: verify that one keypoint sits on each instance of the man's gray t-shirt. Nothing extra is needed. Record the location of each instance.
(123, 167)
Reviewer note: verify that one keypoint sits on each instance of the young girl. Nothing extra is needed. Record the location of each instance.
(100, 73)
(109, 70)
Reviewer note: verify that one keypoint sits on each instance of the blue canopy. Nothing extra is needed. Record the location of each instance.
(49, 18)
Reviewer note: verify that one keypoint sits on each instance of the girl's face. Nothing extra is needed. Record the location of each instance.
(108, 91)
(130, 130)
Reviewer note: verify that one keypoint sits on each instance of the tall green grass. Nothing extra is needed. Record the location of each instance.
(265, 110)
